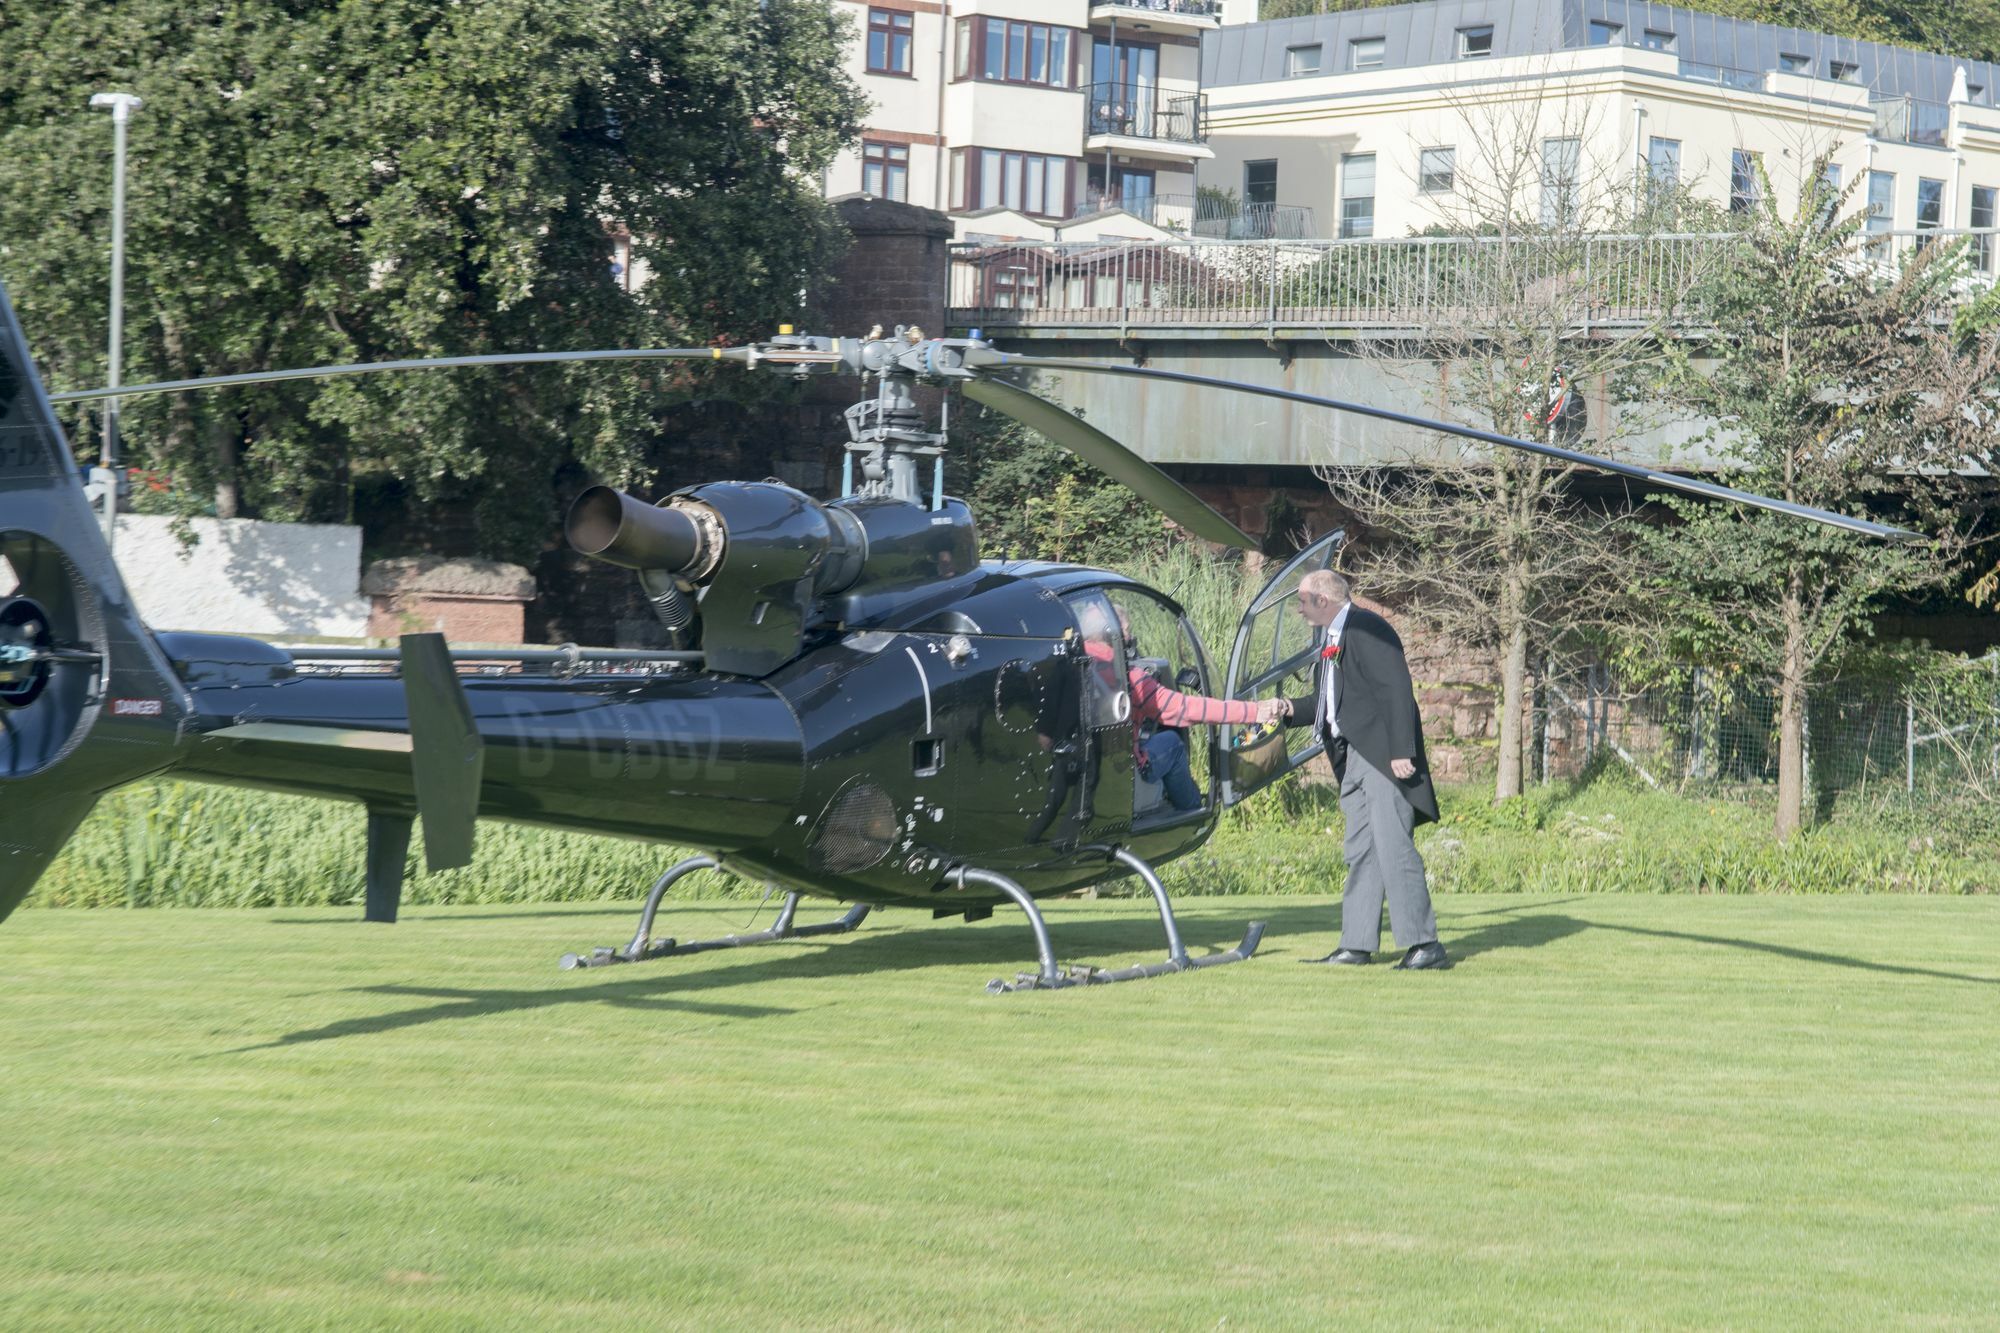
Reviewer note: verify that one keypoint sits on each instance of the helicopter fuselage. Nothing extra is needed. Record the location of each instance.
(955, 727)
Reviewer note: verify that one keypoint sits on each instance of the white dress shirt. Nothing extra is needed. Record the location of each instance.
(1330, 678)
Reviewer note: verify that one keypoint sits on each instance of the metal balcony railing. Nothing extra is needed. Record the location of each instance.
(1607, 281)
(1208, 216)
(1146, 111)
(1197, 8)
(1910, 120)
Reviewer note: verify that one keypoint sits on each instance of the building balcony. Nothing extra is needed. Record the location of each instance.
(1176, 16)
(1146, 118)
(1213, 217)
(1911, 120)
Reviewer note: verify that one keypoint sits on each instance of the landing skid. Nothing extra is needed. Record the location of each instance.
(644, 948)
(1054, 977)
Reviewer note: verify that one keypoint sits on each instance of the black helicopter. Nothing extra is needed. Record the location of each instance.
(855, 706)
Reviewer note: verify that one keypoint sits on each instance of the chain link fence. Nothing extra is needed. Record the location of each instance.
(1935, 732)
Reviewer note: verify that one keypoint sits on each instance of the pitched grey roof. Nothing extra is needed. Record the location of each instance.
(1709, 45)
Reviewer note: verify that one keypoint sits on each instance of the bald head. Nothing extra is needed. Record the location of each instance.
(1321, 595)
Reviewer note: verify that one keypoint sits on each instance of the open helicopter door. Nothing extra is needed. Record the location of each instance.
(1273, 657)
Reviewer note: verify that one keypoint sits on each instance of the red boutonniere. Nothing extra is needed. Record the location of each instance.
(1330, 653)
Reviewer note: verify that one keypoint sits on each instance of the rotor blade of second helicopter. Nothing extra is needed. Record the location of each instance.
(1093, 446)
(421, 363)
(1691, 485)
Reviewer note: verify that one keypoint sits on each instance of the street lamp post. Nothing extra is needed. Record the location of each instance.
(106, 475)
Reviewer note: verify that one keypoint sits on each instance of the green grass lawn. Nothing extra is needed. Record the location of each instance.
(1618, 1110)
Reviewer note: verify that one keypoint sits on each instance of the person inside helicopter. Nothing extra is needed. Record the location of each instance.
(1160, 715)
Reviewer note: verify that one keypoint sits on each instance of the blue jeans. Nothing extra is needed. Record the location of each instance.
(1167, 754)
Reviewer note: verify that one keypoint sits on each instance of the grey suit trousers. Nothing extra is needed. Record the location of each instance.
(1382, 862)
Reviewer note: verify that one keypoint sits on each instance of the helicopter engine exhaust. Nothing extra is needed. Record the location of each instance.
(612, 526)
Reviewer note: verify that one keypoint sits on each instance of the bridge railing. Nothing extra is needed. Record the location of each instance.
(1607, 281)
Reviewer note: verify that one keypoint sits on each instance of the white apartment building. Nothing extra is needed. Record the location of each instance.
(1032, 113)
(1396, 120)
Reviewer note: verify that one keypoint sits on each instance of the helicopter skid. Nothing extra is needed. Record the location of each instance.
(644, 948)
(1081, 974)
(1052, 977)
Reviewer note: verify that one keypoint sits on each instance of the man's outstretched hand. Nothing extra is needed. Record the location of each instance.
(1403, 768)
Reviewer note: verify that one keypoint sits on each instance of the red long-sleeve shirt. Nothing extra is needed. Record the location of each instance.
(1170, 708)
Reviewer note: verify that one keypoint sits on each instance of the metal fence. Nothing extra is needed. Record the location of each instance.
(1937, 733)
(1414, 282)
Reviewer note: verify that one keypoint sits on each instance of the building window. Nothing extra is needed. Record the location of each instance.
(1984, 198)
(1301, 60)
(1930, 204)
(1841, 71)
(890, 32)
(1005, 51)
(1606, 34)
(1656, 40)
(1025, 182)
(1881, 205)
(1475, 43)
(1366, 52)
(1974, 91)
(1260, 182)
(1562, 160)
(1794, 64)
(1663, 170)
(885, 170)
(1357, 195)
(1437, 170)
(1743, 189)
(1829, 188)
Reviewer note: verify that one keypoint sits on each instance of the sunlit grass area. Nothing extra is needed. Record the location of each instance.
(1616, 1111)
(178, 844)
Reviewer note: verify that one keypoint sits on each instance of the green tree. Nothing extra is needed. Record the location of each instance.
(1037, 501)
(1842, 385)
(350, 180)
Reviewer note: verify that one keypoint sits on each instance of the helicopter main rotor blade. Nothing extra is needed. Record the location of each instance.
(421, 363)
(1691, 485)
(1093, 446)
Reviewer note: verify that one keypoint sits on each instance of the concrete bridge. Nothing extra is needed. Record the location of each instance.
(1346, 319)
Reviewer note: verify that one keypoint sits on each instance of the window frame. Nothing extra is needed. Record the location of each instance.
(1560, 208)
(891, 167)
(1660, 39)
(971, 60)
(969, 174)
(1463, 43)
(885, 22)
(1354, 45)
(1743, 164)
(1657, 184)
(1450, 173)
(1292, 54)
(1937, 202)
(1270, 162)
(1982, 246)
(1843, 71)
(1613, 34)
(1348, 231)
(1791, 62)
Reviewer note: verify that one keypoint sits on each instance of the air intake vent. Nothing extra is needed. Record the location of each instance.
(856, 831)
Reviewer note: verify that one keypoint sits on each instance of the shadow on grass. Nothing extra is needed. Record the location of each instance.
(1004, 945)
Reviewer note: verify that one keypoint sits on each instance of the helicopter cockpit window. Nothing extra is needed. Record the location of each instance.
(1162, 644)
(1107, 697)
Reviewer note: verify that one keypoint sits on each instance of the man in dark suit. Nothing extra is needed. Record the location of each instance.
(1365, 709)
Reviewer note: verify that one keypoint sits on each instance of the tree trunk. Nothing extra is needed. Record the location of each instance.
(228, 478)
(1792, 714)
(1513, 677)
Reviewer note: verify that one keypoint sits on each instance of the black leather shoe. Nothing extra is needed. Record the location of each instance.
(1424, 955)
(1348, 957)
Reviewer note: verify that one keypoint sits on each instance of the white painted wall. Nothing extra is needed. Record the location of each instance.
(245, 576)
